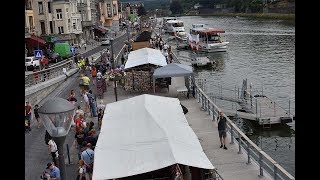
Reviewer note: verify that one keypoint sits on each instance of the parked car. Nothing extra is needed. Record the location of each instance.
(31, 63)
(54, 57)
(105, 41)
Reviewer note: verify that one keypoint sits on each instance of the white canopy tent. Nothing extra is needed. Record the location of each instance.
(145, 56)
(172, 70)
(143, 134)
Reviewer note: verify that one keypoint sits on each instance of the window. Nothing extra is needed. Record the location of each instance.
(67, 9)
(109, 10)
(43, 28)
(49, 7)
(40, 5)
(60, 29)
(114, 10)
(51, 27)
(74, 26)
(59, 13)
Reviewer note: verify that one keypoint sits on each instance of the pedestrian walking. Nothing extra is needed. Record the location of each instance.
(92, 104)
(79, 138)
(36, 114)
(53, 150)
(88, 156)
(84, 83)
(93, 74)
(222, 128)
(100, 116)
(81, 170)
(28, 115)
(72, 98)
(54, 171)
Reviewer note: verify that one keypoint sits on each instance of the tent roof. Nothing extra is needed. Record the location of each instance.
(143, 134)
(173, 70)
(145, 56)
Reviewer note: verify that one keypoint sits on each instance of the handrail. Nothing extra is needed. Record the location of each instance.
(243, 141)
(47, 74)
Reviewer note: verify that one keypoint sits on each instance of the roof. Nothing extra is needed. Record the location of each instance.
(173, 70)
(36, 39)
(208, 30)
(145, 56)
(146, 133)
(101, 29)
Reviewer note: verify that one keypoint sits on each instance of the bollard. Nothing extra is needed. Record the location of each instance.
(232, 135)
(240, 150)
(256, 109)
(68, 154)
(260, 164)
(249, 159)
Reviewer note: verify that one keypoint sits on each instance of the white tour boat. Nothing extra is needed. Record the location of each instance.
(206, 39)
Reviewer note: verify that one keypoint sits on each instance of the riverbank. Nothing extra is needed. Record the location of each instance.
(252, 15)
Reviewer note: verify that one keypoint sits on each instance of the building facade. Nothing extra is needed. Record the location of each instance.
(109, 14)
(29, 18)
(130, 9)
(57, 20)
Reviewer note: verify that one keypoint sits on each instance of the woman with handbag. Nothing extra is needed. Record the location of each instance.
(53, 150)
(81, 170)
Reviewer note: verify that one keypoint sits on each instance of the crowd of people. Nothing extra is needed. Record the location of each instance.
(158, 43)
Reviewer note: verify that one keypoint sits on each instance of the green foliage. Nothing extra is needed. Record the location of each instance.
(176, 7)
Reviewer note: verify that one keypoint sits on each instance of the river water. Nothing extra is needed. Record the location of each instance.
(263, 52)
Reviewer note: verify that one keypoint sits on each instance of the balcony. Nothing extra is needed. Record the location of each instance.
(87, 23)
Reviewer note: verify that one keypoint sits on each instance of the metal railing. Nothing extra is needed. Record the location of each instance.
(47, 74)
(265, 162)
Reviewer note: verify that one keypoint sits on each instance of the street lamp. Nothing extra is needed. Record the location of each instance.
(57, 115)
(112, 60)
(113, 67)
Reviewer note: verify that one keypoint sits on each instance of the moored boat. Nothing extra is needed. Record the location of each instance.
(206, 39)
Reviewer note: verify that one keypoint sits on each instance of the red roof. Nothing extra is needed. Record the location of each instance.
(212, 31)
(34, 41)
(38, 39)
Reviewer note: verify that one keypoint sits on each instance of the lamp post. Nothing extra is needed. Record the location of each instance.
(57, 115)
(112, 60)
(113, 67)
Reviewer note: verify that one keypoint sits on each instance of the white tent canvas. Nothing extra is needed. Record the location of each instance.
(143, 134)
(145, 56)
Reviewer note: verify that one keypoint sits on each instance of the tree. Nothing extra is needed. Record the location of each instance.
(141, 11)
(176, 7)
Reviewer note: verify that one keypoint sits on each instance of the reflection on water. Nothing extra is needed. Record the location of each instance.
(262, 51)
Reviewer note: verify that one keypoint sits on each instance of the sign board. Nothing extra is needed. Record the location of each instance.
(38, 54)
(73, 50)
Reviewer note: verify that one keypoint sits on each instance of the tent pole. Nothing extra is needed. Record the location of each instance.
(154, 87)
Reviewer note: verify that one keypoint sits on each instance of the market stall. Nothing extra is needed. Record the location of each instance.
(148, 133)
(172, 70)
(139, 68)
